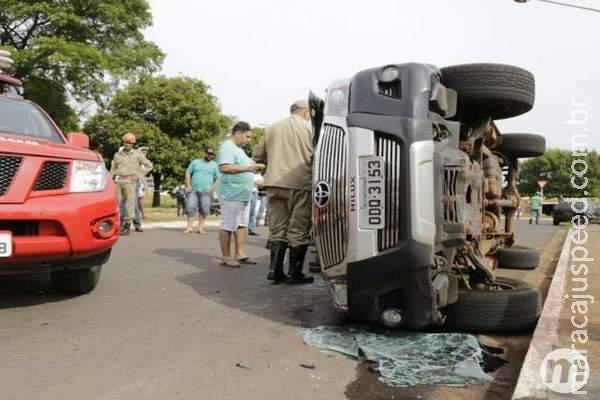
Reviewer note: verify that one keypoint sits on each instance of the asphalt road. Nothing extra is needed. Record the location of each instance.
(168, 322)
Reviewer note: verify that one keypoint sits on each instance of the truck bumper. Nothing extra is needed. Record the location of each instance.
(49, 230)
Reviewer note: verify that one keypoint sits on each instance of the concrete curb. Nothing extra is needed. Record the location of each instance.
(529, 385)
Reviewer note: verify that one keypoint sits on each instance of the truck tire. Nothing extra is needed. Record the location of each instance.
(494, 91)
(76, 281)
(521, 145)
(517, 258)
(516, 308)
(555, 222)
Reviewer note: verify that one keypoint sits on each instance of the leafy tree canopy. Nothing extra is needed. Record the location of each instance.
(257, 134)
(76, 46)
(176, 117)
(182, 107)
(555, 167)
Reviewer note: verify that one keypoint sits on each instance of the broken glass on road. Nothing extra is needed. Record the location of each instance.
(408, 358)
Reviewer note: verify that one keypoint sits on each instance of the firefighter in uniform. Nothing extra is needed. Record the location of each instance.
(287, 149)
(128, 165)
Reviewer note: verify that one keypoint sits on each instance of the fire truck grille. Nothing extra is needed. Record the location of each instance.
(8, 170)
(329, 196)
(53, 176)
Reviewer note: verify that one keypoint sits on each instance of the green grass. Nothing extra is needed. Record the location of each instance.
(166, 212)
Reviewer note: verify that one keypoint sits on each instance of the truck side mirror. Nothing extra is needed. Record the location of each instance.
(443, 101)
(79, 139)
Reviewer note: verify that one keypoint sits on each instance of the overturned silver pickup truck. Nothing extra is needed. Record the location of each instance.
(412, 179)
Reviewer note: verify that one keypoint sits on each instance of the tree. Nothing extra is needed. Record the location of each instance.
(175, 117)
(555, 167)
(257, 134)
(76, 48)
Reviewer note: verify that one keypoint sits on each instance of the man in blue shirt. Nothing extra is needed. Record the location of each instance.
(234, 191)
(200, 181)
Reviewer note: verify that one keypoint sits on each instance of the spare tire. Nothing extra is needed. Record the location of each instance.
(494, 91)
(517, 258)
(514, 306)
(521, 145)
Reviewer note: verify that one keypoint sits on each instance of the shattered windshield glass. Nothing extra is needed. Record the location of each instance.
(408, 358)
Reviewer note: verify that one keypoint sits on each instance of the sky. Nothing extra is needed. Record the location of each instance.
(258, 56)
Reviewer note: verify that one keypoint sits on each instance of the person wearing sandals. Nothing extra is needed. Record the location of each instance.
(234, 191)
(201, 178)
(287, 149)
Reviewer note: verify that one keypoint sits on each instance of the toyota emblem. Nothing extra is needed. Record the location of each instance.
(321, 194)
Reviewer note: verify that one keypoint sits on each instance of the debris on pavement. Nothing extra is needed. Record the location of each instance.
(308, 365)
(408, 358)
(242, 366)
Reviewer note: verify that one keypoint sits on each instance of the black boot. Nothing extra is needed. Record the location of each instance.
(125, 229)
(297, 255)
(314, 264)
(276, 273)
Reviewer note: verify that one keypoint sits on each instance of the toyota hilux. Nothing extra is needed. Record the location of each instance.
(415, 192)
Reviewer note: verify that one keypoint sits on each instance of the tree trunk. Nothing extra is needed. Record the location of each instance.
(156, 177)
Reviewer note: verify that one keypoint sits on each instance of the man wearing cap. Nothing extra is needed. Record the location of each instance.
(127, 166)
(200, 182)
(287, 149)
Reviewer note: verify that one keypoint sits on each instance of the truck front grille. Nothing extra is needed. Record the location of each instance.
(53, 176)
(8, 170)
(331, 219)
(389, 149)
(21, 228)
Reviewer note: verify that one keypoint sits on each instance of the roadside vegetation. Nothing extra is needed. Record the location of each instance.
(555, 168)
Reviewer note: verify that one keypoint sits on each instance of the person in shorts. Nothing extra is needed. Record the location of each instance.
(234, 191)
(200, 181)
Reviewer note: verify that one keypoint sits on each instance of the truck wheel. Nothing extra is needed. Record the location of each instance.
(517, 258)
(509, 305)
(494, 91)
(76, 281)
(522, 145)
(555, 222)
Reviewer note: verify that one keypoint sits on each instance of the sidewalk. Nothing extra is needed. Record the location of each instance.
(178, 224)
(567, 331)
(574, 276)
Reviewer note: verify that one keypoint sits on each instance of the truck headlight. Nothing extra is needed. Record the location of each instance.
(389, 73)
(87, 176)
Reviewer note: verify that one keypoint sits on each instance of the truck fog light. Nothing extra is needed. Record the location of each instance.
(391, 317)
(104, 227)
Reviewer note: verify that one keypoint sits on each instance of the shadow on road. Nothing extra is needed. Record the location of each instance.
(247, 289)
(27, 290)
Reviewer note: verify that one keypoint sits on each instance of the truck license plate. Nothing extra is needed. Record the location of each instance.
(5, 243)
(372, 199)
